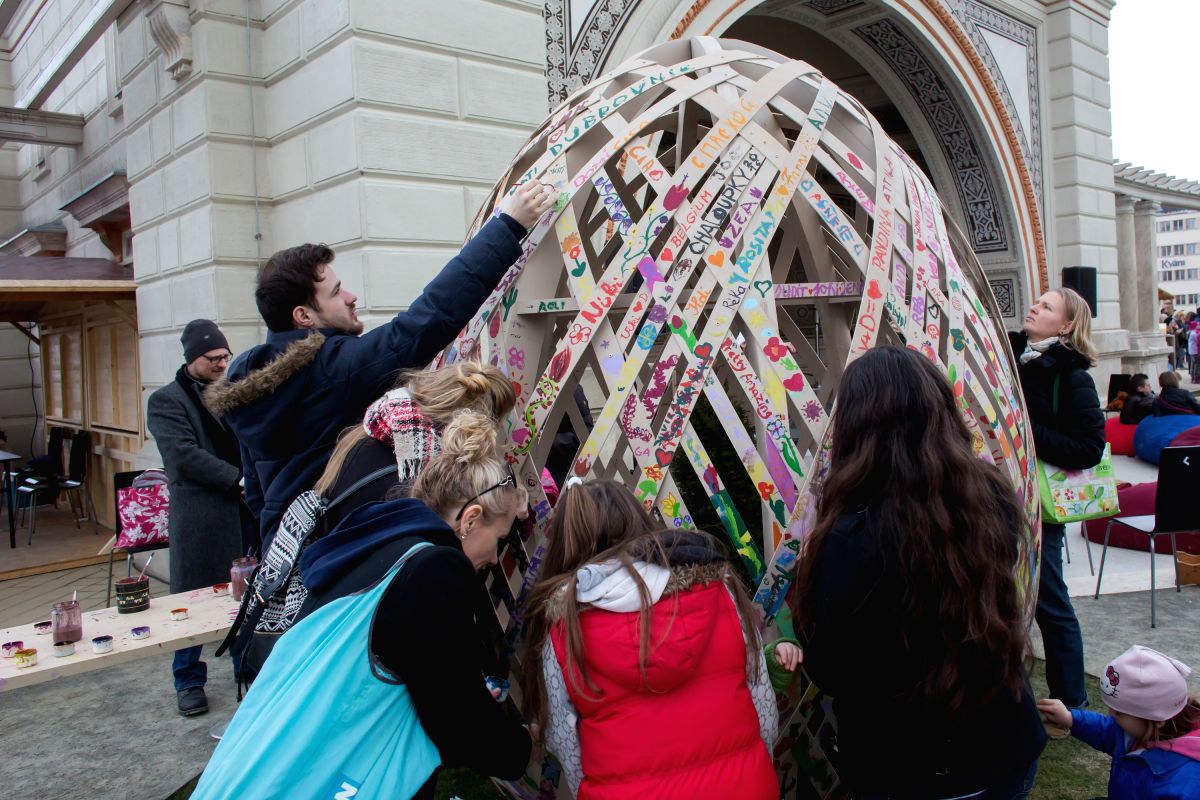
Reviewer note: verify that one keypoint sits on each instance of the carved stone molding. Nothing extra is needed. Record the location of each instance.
(973, 180)
(104, 208)
(975, 18)
(172, 32)
(43, 240)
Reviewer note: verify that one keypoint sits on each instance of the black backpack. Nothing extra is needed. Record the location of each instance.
(275, 592)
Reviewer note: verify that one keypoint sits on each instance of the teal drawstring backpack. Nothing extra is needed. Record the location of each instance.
(322, 720)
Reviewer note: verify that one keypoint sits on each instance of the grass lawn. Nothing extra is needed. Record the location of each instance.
(1069, 769)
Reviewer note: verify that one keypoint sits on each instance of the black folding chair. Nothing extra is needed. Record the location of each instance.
(123, 480)
(74, 485)
(1174, 511)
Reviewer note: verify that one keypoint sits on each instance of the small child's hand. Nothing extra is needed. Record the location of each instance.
(789, 656)
(529, 202)
(1055, 713)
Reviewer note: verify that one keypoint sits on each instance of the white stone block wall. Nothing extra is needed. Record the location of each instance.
(20, 392)
(1082, 210)
(388, 122)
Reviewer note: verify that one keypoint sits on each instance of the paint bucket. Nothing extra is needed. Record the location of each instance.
(133, 595)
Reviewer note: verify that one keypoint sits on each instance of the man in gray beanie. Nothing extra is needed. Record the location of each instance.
(203, 468)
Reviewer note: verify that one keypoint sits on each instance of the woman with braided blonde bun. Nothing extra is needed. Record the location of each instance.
(387, 673)
(438, 599)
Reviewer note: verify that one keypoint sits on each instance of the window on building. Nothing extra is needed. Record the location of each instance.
(1190, 249)
(1176, 224)
(1190, 224)
(1193, 274)
(1164, 251)
(1163, 227)
(1178, 250)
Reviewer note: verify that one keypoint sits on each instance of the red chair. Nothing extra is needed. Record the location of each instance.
(1119, 436)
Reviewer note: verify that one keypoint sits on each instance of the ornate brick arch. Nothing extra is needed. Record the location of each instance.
(579, 49)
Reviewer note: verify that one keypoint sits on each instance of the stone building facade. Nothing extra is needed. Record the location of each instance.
(226, 129)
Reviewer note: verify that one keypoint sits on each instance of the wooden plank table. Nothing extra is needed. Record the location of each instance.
(209, 617)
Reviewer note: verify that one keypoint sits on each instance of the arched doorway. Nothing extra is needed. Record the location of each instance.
(928, 74)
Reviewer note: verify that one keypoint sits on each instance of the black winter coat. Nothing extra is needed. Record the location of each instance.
(1074, 437)
(889, 741)
(1175, 401)
(434, 630)
(369, 456)
(287, 400)
(201, 462)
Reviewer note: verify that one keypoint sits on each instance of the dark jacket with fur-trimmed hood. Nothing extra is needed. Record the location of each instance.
(287, 400)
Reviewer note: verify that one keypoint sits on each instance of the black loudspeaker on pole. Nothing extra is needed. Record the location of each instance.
(1082, 280)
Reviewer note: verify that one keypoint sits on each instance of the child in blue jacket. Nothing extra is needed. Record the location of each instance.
(1153, 734)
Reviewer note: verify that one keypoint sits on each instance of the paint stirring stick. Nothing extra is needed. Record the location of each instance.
(145, 567)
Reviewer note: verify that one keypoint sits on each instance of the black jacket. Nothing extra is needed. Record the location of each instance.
(1137, 407)
(1074, 437)
(1175, 401)
(368, 456)
(200, 456)
(888, 741)
(287, 400)
(432, 629)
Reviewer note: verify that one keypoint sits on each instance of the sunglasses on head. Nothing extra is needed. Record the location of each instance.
(509, 480)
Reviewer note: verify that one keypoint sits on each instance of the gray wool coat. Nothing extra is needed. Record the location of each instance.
(206, 500)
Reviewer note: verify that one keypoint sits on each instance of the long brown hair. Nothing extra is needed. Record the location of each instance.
(595, 522)
(900, 448)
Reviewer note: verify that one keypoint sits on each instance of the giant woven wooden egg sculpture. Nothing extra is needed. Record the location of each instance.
(732, 231)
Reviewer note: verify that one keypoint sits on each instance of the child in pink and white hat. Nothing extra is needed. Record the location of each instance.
(1153, 734)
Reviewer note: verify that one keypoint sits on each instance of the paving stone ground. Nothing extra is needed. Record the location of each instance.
(114, 733)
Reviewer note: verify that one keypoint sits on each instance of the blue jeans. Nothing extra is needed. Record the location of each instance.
(1058, 624)
(190, 671)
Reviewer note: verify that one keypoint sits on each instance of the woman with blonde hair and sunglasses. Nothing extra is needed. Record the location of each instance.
(386, 679)
(379, 458)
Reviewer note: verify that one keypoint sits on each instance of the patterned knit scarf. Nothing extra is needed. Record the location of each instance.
(395, 419)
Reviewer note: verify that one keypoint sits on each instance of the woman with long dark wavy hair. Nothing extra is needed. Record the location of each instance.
(907, 599)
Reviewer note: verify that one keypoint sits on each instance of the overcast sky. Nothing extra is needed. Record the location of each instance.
(1154, 59)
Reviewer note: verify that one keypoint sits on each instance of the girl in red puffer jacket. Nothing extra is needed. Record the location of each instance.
(642, 665)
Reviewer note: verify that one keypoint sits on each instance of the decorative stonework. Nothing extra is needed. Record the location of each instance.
(571, 60)
(975, 16)
(42, 240)
(1004, 290)
(828, 7)
(104, 208)
(172, 32)
(985, 222)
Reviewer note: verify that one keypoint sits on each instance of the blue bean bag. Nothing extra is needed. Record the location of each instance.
(1155, 433)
